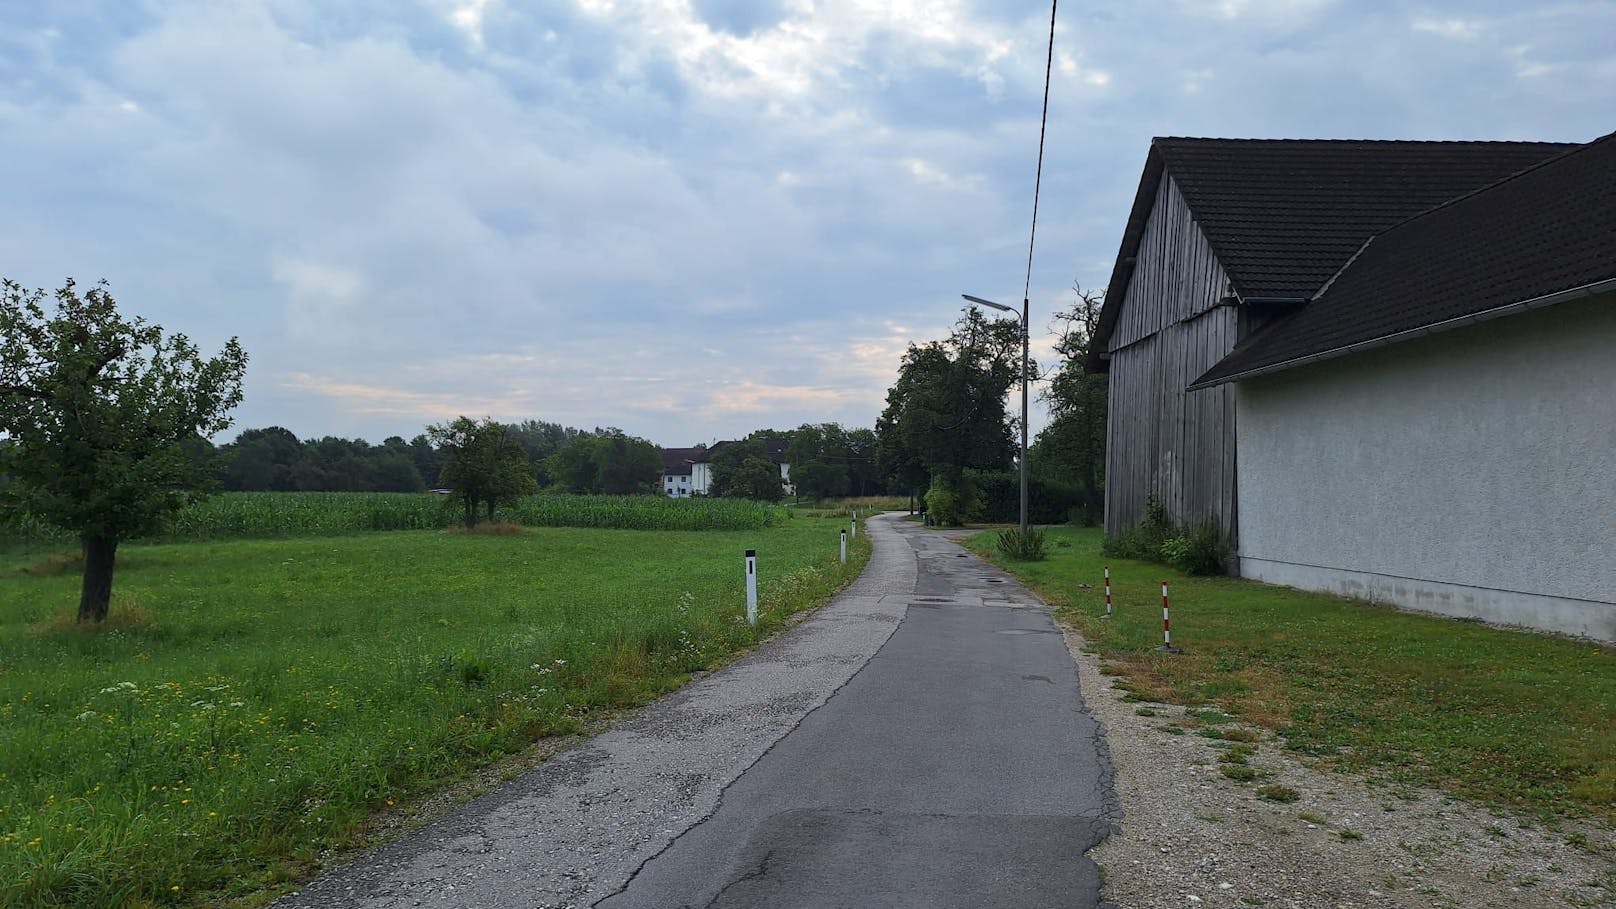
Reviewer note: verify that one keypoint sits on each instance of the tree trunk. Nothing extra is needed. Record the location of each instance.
(100, 554)
(490, 511)
(471, 512)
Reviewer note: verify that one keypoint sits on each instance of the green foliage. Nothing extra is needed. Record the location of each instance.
(1023, 547)
(486, 466)
(744, 470)
(279, 692)
(611, 463)
(102, 414)
(998, 498)
(946, 412)
(1274, 792)
(1145, 539)
(946, 503)
(1071, 449)
(1201, 550)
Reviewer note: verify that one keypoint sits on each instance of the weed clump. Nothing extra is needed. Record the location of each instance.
(1200, 550)
(1023, 547)
(1278, 793)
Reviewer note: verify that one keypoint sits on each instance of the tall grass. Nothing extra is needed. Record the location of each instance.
(249, 515)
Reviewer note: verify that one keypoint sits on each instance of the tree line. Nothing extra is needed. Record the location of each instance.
(827, 460)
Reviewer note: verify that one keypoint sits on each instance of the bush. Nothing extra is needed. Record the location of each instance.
(998, 495)
(1028, 547)
(1200, 551)
(1145, 539)
(943, 506)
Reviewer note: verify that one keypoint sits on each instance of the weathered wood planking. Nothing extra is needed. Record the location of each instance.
(1174, 325)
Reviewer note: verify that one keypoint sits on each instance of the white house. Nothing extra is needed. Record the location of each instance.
(677, 464)
(1428, 419)
(701, 468)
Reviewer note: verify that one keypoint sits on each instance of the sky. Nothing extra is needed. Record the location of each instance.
(685, 218)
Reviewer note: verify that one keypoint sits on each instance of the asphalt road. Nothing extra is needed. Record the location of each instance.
(921, 741)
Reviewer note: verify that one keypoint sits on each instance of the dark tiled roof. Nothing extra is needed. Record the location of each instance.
(776, 450)
(676, 461)
(1283, 215)
(1547, 230)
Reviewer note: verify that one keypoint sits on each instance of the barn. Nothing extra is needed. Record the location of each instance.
(1386, 369)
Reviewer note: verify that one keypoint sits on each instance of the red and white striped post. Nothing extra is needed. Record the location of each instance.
(1107, 592)
(1167, 626)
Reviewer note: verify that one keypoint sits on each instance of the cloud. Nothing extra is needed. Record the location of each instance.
(686, 217)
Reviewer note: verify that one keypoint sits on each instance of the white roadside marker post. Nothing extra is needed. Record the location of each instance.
(844, 547)
(751, 587)
(1107, 592)
(852, 527)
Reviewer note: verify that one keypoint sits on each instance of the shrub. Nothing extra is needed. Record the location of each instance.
(998, 498)
(945, 505)
(1200, 551)
(1145, 539)
(1028, 547)
(1277, 793)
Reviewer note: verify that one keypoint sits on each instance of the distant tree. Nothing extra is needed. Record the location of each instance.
(611, 462)
(819, 460)
(101, 412)
(260, 459)
(541, 439)
(757, 479)
(626, 464)
(863, 477)
(946, 412)
(744, 470)
(1071, 449)
(427, 458)
(486, 466)
(396, 473)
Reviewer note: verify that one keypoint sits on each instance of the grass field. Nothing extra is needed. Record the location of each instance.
(261, 515)
(1511, 719)
(251, 702)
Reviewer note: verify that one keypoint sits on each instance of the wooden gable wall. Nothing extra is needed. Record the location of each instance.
(1173, 326)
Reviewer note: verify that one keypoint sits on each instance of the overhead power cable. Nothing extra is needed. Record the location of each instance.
(1043, 123)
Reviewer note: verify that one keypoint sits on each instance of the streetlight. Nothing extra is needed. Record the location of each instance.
(1011, 311)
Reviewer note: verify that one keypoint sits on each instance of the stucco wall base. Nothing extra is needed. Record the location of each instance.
(1584, 618)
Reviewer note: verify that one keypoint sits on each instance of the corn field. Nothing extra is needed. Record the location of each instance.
(297, 514)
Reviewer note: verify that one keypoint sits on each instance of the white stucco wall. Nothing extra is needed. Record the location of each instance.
(1470, 473)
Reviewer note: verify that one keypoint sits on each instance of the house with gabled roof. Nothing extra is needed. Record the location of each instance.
(701, 476)
(677, 469)
(1387, 369)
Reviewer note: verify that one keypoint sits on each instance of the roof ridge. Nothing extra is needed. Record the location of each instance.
(1302, 141)
(1608, 137)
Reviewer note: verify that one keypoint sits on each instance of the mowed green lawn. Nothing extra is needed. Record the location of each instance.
(251, 702)
(1512, 719)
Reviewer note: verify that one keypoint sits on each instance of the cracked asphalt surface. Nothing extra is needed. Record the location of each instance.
(920, 741)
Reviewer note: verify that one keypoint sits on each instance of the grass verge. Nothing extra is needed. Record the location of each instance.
(1511, 719)
(264, 697)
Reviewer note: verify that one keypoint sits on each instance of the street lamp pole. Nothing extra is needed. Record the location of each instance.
(1024, 377)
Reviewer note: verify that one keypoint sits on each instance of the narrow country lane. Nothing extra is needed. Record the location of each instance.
(921, 741)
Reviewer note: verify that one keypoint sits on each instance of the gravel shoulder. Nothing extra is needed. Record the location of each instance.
(1192, 837)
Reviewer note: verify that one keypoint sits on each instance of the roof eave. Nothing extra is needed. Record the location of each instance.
(1127, 256)
(1508, 309)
